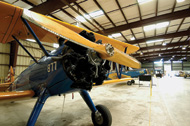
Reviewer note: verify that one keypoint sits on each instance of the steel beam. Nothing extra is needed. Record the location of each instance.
(149, 21)
(50, 6)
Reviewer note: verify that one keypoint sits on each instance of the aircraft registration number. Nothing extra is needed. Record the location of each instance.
(52, 67)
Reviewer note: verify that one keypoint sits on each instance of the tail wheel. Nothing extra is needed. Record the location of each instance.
(102, 117)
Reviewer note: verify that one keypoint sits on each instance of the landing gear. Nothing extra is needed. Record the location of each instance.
(129, 83)
(132, 81)
(102, 117)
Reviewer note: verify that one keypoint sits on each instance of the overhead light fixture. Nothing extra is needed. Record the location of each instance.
(153, 41)
(156, 26)
(173, 56)
(87, 16)
(179, 1)
(164, 44)
(149, 27)
(162, 25)
(55, 45)
(183, 48)
(116, 35)
(141, 53)
(110, 36)
(132, 38)
(96, 13)
(143, 1)
(31, 40)
(159, 55)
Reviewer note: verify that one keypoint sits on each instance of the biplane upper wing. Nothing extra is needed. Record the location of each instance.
(116, 43)
(48, 30)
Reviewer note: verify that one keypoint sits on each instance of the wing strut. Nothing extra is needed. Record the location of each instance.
(35, 37)
(24, 48)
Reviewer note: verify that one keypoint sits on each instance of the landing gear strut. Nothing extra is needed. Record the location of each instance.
(101, 116)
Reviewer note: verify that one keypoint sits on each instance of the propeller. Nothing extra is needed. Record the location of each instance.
(106, 51)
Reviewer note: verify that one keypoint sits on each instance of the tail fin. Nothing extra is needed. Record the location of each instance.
(10, 76)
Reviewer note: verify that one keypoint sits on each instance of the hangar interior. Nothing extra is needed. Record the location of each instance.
(161, 30)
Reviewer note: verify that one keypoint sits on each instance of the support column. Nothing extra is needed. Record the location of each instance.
(13, 54)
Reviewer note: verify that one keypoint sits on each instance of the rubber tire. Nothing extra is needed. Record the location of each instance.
(107, 118)
(129, 83)
(132, 81)
(185, 76)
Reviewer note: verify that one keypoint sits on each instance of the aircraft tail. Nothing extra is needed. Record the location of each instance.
(10, 76)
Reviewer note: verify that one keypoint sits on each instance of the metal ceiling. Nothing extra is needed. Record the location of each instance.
(127, 20)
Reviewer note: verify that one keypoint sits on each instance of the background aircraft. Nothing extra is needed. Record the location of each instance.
(80, 61)
(121, 73)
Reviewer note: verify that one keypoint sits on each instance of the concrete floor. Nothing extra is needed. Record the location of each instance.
(129, 105)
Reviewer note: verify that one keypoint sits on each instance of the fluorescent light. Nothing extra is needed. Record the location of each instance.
(183, 48)
(179, 1)
(87, 16)
(55, 45)
(162, 25)
(132, 38)
(149, 27)
(80, 18)
(173, 56)
(164, 44)
(159, 55)
(143, 1)
(96, 13)
(31, 40)
(141, 53)
(110, 36)
(116, 35)
(156, 26)
(153, 41)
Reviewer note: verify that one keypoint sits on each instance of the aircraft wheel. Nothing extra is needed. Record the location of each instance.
(102, 117)
(132, 81)
(185, 76)
(129, 83)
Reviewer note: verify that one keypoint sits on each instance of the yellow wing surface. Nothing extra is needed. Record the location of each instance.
(48, 30)
(116, 81)
(16, 95)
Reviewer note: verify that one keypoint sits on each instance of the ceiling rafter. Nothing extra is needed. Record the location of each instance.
(105, 13)
(88, 14)
(67, 13)
(153, 20)
(166, 36)
(164, 55)
(75, 10)
(169, 45)
(49, 6)
(159, 52)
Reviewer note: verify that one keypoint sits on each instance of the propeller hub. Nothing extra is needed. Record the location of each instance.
(109, 49)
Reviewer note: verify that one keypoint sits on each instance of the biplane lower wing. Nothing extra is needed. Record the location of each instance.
(116, 81)
(16, 95)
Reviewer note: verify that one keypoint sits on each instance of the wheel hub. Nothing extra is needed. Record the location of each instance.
(98, 118)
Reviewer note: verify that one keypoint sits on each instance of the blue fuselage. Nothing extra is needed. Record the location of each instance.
(47, 73)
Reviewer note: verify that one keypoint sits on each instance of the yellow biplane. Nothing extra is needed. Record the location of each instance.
(81, 60)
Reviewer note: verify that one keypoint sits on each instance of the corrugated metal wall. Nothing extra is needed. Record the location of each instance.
(4, 59)
(23, 59)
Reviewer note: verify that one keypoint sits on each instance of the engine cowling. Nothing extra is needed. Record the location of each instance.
(84, 66)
